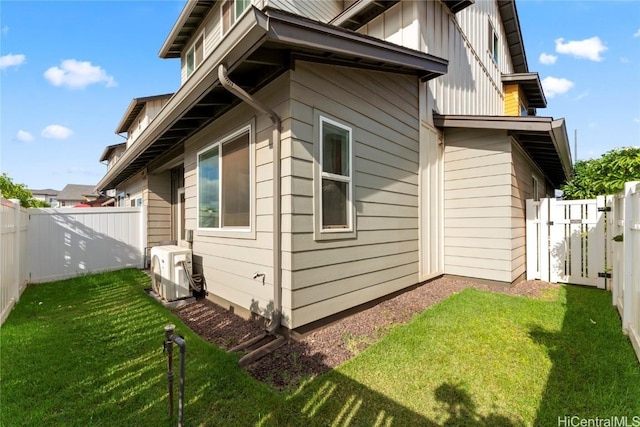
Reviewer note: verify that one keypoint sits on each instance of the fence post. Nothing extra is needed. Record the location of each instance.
(532, 231)
(543, 256)
(143, 236)
(15, 287)
(627, 252)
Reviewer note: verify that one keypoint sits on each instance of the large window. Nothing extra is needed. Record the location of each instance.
(195, 54)
(231, 11)
(335, 176)
(224, 183)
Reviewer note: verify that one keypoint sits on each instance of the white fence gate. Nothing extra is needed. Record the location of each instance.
(572, 242)
(566, 241)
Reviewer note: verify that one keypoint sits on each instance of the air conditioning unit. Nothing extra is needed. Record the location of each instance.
(168, 276)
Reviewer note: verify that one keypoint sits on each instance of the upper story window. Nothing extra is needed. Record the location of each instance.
(224, 183)
(493, 43)
(336, 171)
(195, 54)
(231, 11)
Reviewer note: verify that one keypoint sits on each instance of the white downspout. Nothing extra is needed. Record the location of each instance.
(277, 190)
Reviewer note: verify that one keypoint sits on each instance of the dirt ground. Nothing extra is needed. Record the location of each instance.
(323, 349)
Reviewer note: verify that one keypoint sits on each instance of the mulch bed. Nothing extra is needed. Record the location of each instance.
(322, 350)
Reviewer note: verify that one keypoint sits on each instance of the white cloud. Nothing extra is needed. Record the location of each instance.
(547, 59)
(637, 33)
(11, 60)
(56, 132)
(625, 60)
(556, 86)
(5, 30)
(78, 75)
(24, 136)
(587, 49)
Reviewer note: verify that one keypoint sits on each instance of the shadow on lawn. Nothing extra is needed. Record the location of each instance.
(594, 372)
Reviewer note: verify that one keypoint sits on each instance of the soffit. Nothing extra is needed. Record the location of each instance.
(543, 138)
(260, 47)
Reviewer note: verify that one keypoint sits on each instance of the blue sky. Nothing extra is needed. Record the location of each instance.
(68, 71)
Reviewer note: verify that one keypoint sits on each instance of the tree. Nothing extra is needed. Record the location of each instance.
(606, 175)
(11, 190)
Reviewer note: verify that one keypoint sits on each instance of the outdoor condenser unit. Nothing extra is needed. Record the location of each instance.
(167, 274)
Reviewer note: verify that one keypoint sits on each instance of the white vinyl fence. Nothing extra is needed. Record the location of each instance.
(571, 242)
(54, 244)
(13, 255)
(624, 224)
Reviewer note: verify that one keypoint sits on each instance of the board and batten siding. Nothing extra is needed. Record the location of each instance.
(523, 170)
(472, 84)
(329, 276)
(478, 204)
(230, 261)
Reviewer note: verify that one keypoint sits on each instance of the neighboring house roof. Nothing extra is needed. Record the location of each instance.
(543, 138)
(109, 149)
(261, 46)
(134, 108)
(77, 192)
(45, 192)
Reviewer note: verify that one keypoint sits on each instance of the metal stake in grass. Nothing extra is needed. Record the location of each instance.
(168, 345)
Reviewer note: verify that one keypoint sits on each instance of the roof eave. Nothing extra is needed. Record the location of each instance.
(270, 29)
(521, 128)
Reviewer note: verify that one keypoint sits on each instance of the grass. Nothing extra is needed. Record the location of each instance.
(88, 351)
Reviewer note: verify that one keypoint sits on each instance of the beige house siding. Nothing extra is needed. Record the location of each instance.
(328, 276)
(523, 170)
(477, 206)
(229, 261)
(158, 202)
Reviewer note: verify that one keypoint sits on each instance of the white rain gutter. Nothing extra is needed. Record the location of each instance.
(277, 190)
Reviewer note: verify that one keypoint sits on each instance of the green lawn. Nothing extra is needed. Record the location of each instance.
(88, 351)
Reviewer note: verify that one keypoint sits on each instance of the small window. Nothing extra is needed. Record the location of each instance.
(231, 11)
(336, 172)
(493, 43)
(224, 184)
(534, 189)
(523, 110)
(195, 55)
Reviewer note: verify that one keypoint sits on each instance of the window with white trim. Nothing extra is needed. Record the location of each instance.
(195, 55)
(335, 175)
(231, 11)
(224, 183)
(493, 42)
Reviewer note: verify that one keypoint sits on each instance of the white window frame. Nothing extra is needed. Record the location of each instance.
(192, 48)
(494, 43)
(243, 232)
(321, 233)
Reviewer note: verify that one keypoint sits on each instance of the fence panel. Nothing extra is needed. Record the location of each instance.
(631, 272)
(69, 242)
(13, 255)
